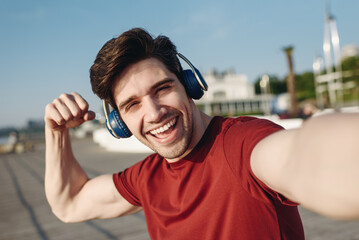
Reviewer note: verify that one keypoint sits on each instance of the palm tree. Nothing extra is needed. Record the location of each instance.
(293, 110)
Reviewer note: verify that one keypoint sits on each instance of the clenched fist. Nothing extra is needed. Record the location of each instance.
(67, 111)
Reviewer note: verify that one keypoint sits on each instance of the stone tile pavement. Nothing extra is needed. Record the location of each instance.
(25, 214)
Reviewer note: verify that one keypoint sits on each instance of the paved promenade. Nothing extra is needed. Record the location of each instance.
(25, 214)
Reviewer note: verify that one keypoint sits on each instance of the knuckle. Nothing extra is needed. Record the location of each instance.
(49, 106)
(56, 101)
(60, 121)
(84, 106)
(75, 94)
(67, 117)
(77, 114)
(63, 95)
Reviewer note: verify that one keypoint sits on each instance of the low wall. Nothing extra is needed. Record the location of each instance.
(106, 140)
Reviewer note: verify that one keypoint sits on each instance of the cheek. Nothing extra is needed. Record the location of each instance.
(179, 97)
(133, 123)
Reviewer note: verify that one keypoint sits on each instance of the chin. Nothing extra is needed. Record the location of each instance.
(172, 152)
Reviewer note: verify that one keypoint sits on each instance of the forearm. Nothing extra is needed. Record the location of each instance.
(323, 168)
(64, 177)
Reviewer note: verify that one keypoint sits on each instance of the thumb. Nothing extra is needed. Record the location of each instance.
(90, 115)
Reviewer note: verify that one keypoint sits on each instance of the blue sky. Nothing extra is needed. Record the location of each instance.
(47, 47)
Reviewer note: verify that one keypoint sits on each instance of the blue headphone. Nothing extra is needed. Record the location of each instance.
(194, 84)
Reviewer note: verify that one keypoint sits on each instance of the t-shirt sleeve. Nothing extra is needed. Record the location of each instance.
(239, 142)
(126, 183)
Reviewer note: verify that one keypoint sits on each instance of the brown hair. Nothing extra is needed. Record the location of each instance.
(129, 48)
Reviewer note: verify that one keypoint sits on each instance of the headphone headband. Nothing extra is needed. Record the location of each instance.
(199, 79)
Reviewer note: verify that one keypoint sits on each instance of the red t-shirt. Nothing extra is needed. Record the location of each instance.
(212, 192)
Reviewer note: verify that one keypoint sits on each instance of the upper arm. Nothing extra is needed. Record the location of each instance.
(315, 165)
(270, 159)
(99, 198)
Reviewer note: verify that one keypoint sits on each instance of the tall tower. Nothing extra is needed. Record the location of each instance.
(331, 46)
(330, 82)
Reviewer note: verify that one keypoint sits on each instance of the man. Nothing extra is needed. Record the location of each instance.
(211, 178)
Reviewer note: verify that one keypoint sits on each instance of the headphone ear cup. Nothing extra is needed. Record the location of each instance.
(194, 90)
(118, 126)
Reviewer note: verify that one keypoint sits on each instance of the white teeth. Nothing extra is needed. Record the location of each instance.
(163, 128)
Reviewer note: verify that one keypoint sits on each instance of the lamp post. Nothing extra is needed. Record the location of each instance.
(265, 91)
(331, 46)
(319, 89)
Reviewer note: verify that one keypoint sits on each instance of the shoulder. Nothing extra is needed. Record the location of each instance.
(149, 163)
(240, 135)
(223, 124)
(239, 129)
(250, 128)
(139, 170)
(255, 162)
(129, 181)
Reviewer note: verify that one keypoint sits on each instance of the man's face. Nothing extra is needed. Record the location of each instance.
(155, 107)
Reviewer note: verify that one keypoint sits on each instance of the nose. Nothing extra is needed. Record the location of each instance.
(153, 110)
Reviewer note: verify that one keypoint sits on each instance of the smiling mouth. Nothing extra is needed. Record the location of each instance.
(164, 128)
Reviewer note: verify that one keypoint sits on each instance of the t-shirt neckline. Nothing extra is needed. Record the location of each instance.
(191, 157)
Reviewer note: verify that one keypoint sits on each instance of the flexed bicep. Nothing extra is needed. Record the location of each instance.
(99, 198)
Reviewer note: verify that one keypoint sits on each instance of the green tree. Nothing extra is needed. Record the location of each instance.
(350, 68)
(277, 86)
(305, 88)
(351, 64)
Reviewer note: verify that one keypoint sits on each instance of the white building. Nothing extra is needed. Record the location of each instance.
(229, 94)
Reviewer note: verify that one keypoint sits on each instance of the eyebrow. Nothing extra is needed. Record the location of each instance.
(155, 86)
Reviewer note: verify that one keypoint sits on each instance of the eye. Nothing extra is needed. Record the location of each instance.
(163, 88)
(131, 105)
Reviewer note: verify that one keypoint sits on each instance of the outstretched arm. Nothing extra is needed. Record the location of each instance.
(316, 165)
(72, 196)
